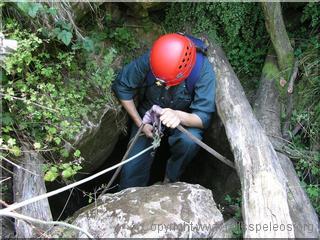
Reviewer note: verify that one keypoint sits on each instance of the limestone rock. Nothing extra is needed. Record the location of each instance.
(98, 137)
(171, 210)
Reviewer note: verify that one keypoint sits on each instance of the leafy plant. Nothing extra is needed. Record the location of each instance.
(46, 94)
(124, 38)
(236, 201)
(311, 13)
(306, 115)
(65, 170)
(238, 27)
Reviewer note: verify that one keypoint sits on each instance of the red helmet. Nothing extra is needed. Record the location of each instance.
(172, 58)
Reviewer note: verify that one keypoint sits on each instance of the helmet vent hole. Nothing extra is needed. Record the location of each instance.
(180, 66)
(185, 65)
(183, 60)
(189, 53)
(188, 59)
(188, 48)
(186, 54)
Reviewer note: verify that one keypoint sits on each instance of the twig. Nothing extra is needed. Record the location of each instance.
(293, 76)
(3, 180)
(49, 194)
(65, 205)
(297, 129)
(289, 109)
(7, 170)
(40, 232)
(34, 220)
(58, 218)
(24, 100)
(17, 166)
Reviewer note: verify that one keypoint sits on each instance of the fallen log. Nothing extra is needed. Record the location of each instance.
(28, 182)
(267, 109)
(264, 195)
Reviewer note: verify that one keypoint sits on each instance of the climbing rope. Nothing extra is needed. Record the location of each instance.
(15, 206)
(157, 135)
(131, 144)
(153, 115)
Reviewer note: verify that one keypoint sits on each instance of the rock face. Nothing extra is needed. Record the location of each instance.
(98, 138)
(171, 210)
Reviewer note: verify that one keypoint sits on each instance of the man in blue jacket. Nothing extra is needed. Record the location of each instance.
(178, 77)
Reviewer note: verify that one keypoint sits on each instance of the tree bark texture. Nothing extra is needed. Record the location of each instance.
(27, 185)
(7, 225)
(263, 183)
(279, 37)
(267, 110)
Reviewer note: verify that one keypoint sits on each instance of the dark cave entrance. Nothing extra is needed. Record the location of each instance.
(204, 169)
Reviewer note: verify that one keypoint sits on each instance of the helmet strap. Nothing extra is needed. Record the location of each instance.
(160, 82)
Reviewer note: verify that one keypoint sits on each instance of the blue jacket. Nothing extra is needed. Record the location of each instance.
(201, 102)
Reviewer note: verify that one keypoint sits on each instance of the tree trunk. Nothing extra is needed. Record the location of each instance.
(264, 194)
(7, 226)
(267, 109)
(27, 185)
(279, 37)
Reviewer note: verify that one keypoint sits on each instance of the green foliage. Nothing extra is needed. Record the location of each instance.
(311, 13)
(46, 94)
(307, 115)
(236, 201)
(65, 170)
(30, 8)
(124, 38)
(238, 27)
(62, 31)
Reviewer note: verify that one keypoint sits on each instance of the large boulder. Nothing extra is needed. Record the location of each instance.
(171, 210)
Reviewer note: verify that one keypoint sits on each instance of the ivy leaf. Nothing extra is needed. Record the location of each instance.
(52, 130)
(6, 119)
(64, 153)
(88, 44)
(50, 176)
(77, 153)
(37, 145)
(65, 166)
(30, 8)
(15, 151)
(57, 140)
(68, 173)
(33, 9)
(52, 11)
(65, 37)
(54, 169)
(11, 141)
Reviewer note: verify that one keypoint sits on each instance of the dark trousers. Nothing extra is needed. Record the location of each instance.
(136, 173)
